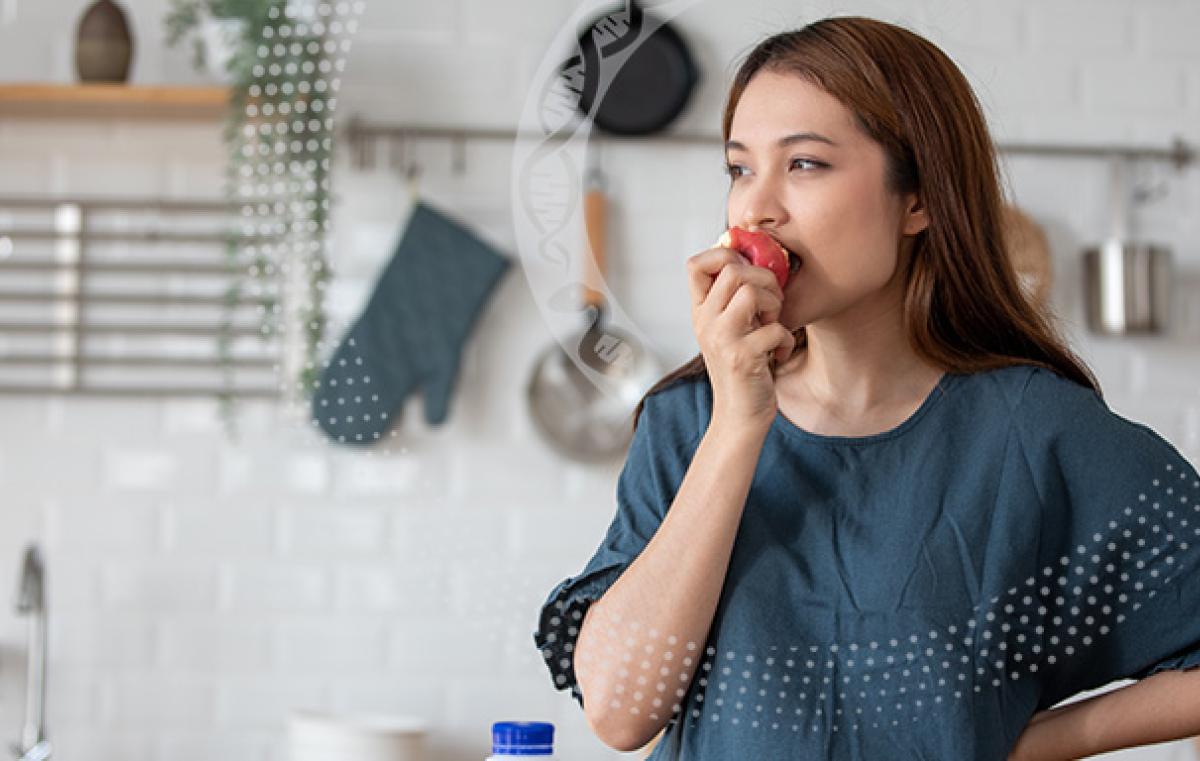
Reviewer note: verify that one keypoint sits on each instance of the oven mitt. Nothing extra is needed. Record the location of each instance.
(412, 332)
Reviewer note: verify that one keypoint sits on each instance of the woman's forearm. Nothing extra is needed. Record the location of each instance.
(641, 642)
(1160, 708)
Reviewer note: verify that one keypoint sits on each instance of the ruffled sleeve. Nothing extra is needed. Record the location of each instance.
(657, 460)
(1119, 563)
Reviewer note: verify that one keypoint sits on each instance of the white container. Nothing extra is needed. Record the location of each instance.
(314, 736)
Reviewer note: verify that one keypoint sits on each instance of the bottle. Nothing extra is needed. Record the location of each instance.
(522, 739)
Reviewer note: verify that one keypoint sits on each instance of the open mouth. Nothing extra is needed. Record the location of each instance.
(794, 261)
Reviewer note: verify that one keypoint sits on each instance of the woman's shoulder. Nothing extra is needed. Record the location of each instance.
(1049, 394)
(1023, 386)
(1055, 410)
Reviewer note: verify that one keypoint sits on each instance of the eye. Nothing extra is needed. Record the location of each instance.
(735, 170)
(815, 164)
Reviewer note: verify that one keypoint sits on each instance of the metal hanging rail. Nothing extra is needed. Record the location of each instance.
(360, 134)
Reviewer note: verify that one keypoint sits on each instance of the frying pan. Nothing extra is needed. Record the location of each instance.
(649, 90)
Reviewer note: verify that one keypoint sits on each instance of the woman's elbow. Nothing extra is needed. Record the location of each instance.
(622, 733)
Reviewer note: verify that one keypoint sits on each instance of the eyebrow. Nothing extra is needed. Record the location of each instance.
(783, 142)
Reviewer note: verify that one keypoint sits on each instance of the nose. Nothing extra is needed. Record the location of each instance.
(760, 206)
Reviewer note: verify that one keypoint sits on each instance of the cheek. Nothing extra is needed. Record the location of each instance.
(850, 242)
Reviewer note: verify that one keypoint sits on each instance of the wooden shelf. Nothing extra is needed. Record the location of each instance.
(121, 101)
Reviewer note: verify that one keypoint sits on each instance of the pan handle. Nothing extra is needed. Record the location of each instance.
(595, 215)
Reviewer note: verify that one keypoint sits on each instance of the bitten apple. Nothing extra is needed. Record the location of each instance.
(762, 250)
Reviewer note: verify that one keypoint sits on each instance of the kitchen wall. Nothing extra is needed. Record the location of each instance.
(200, 589)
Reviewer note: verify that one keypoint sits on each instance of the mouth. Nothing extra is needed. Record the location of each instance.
(794, 260)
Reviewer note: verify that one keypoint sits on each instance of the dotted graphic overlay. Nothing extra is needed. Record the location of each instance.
(1037, 625)
(281, 183)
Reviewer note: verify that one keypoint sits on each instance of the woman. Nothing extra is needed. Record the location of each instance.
(924, 528)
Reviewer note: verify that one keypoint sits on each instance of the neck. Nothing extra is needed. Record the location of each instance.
(858, 360)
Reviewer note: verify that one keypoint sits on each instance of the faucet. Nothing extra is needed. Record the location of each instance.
(31, 600)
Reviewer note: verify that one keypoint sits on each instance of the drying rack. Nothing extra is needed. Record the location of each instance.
(90, 322)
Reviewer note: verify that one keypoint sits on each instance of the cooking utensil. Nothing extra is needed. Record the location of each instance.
(585, 420)
(1127, 283)
(651, 87)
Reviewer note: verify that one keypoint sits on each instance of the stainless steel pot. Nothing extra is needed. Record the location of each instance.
(1127, 284)
(1128, 288)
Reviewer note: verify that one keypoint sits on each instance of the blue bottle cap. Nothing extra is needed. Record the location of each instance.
(522, 738)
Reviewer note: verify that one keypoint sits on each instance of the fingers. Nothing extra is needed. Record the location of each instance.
(772, 338)
(705, 268)
(763, 301)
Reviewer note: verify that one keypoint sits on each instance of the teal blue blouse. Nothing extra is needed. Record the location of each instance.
(921, 592)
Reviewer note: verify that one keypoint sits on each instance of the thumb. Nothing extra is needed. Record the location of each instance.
(438, 388)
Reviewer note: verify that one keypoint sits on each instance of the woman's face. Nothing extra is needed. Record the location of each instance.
(822, 197)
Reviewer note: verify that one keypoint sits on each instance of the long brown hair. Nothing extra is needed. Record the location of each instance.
(964, 310)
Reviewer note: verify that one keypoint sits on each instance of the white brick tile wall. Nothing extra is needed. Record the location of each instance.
(1163, 30)
(201, 588)
(76, 700)
(136, 700)
(206, 645)
(92, 523)
(251, 704)
(74, 581)
(1059, 28)
(1133, 86)
(30, 466)
(431, 647)
(263, 586)
(155, 470)
(173, 585)
(204, 746)
(206, 528)
(328, 647)
(410, 23)
(483, 22)
(255, 468)
(337, 531)
(127, 744)
(422, 471)
(404, 586)
(398, 693)
(997, 27)
(90, 639)
(1029, 82)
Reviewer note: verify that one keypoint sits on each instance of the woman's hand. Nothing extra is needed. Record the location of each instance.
(735, 313)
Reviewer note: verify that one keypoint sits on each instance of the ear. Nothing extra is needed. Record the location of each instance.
(915, 218)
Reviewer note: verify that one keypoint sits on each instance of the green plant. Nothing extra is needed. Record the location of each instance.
(279, 138)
